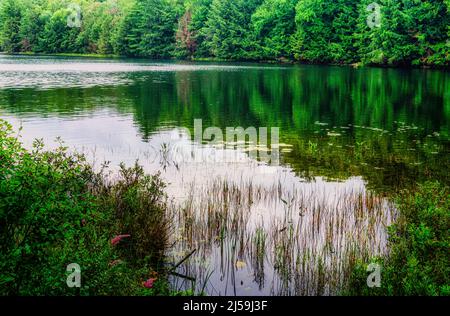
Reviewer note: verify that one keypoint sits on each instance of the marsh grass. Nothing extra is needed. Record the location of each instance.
(302, 244)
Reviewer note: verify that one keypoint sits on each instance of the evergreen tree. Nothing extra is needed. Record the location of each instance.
(191, 29)
(274, 24)
(228, 31)
(151, 28)
(186, 43)
(200, 10)
(324, 31)
(31, 26)
(408, 32)
(426, 23)
(10, 19)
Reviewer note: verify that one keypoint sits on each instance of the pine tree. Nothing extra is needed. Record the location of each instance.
(274, 24)
(10, 19)
(200, 11)
(411, 32)
(228, 29)
(150, 28)
(325, 31)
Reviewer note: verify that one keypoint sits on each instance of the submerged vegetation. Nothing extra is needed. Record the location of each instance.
(381, 32)
(55, 210)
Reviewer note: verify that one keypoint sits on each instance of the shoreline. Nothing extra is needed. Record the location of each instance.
(357, 65)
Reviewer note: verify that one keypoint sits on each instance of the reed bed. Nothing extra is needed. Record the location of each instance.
(276, 240)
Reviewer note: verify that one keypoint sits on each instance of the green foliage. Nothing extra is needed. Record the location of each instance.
(150, 29)
(274, 24)
(100, 28)
(200, 11)
(10, 19)
(420, 242)
(139, 206)
(228, 29)
(55, 210)
(411, 32)
(55, 26)
(325, 31)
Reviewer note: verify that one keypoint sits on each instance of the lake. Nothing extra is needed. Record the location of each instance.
(348, 139)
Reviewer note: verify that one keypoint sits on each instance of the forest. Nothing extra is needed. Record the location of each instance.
(360, 32)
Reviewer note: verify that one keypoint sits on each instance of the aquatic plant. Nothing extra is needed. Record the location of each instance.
(302, 247)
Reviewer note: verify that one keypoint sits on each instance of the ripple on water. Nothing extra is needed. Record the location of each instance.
(48, 73)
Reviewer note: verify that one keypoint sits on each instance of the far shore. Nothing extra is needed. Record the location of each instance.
(281, 61)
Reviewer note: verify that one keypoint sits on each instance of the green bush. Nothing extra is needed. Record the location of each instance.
(138, 204)
(419, 243)
(56, 210)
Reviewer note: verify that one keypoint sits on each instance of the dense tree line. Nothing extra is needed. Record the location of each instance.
(405, 32)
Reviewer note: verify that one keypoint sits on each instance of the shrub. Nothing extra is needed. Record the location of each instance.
(419, 241)
(56, 210)
(138, 204)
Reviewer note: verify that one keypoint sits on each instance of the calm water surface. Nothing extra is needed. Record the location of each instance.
(348, 139)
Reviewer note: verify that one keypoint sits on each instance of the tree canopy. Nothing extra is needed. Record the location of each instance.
(407, 32)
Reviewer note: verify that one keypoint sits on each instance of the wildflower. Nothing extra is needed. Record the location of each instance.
(149, 283)
(118, 238)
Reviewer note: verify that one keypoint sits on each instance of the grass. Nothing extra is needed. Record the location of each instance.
(306, 245)
(56, 210)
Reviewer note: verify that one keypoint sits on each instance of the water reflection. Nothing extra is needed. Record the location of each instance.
(256, 229)
(350, 138)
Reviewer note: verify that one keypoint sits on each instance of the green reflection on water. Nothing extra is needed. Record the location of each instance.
(389, 125)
